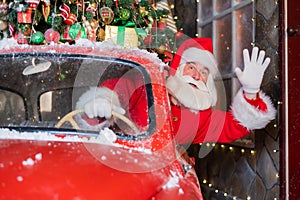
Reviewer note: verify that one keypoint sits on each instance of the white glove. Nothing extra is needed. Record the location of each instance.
(100, 102)
(254, 69)
(100, 107)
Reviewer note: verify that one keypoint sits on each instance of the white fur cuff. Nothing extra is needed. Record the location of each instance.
(249, 116)
(86, 126)
(94, 93)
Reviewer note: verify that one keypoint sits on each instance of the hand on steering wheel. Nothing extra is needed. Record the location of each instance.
(70, 118)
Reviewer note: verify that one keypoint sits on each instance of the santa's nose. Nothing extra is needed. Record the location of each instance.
(198, 76)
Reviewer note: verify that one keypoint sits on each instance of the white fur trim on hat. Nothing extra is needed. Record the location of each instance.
(249, 116)
(204, 57)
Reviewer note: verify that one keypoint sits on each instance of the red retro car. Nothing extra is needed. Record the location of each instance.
(44, 154)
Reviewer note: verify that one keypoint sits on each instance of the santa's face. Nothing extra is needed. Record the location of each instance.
(189, 88)
(194, 74)
(196, 70)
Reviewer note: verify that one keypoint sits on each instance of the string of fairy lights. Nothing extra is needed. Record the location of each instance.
(231, 148)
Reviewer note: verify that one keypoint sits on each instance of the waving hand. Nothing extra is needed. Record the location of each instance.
(254, 70)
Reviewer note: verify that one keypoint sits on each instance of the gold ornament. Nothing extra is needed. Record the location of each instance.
(94, 24)
(142, 9)
(101, 34)
(161, 49)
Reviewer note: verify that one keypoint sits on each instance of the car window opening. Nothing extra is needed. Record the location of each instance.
(41, 99)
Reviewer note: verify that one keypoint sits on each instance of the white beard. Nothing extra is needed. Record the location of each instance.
(195, 98)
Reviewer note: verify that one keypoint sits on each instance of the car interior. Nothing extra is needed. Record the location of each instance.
(38, 89)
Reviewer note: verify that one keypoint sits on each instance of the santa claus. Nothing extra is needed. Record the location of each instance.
(193, 94)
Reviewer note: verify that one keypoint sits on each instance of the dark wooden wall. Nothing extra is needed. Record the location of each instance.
(186, 11)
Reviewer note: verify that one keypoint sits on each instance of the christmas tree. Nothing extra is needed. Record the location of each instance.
(41, 22)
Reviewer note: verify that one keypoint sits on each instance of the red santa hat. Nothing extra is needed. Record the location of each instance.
(195, 50)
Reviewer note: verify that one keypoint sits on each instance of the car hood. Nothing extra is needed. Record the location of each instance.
(68, 168)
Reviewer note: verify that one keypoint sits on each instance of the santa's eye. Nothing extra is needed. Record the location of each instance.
(204, 73)
(191, 67)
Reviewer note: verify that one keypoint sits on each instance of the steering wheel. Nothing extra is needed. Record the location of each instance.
(70, 118)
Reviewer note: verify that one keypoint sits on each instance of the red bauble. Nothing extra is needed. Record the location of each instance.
(21, 38)
(154, 25)
(32, 3)
(52, 36)
(162, 25)
(179, 35)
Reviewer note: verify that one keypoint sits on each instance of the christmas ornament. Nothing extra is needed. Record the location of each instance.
(168, 18)
(11, 30)
(117, 3)
(33, 3)
(3, 25)
(128, 22)
(101, 34)
(148, 20)
(124, 14)
(37, 37)
(25, 17)
(179, 35)
(161, 49)
(72, 18)
(107, 15)
(94, 24)
(142, 9)
(21, 38)
(121, 35)
(46, 9)
(3, 9)
(162, 24)
(92, 7)
(65, 11)
(51, 36)
(74, 31)
(91, 28)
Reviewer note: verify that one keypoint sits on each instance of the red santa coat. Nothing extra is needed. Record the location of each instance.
(204, 126)
(189, 126)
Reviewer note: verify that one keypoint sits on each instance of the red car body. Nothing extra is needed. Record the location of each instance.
(61, 164)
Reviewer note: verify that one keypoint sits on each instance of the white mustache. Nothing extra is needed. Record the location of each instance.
(199, 84)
